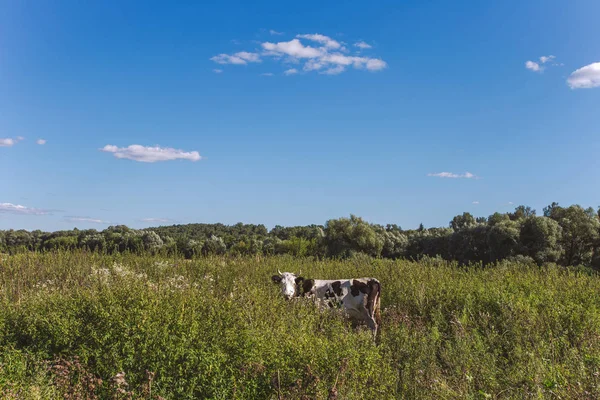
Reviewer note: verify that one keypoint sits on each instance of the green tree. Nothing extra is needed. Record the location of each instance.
(271, 245)
(18, 241)
(464, 221)
(192, 248)
(552, 210)
(470, 245)
(151, 241)
(503, 240)
(394, 241)
(295, 246)
(580, 230)
(521, 212)
(60, 243)
(541, 238)
(170, 245)
(92, 241)
(344, 236)
(214, 245)
(497, 218)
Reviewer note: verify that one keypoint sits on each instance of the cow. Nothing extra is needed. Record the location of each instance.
(358, 297)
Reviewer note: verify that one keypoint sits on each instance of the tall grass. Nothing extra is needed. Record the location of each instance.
(80, 325)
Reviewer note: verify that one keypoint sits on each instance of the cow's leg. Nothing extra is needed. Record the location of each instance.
(372, 325)
(373, 301)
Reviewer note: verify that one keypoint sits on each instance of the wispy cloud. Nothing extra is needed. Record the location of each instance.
(85, 219)
(274, 32)
(585, 77)
(140, 153)
(23, 210)
(267, 74)
(240, 58)
(157, 220)
(7, 142)
(41, 141)
(318, 53)
(217, 71)
(338, 69)
(538, 66)
(362, 45)
(466, 175)
(291, 71)
(375, 64)
(476, 202)
(293, 48)
(533, 66)
(324, 40)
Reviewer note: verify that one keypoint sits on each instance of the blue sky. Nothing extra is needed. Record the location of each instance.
(444, 87)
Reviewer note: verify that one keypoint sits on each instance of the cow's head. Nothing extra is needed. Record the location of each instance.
(288, 282)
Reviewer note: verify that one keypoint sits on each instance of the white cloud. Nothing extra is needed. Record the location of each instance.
(334, 60)
(41, 141)
(338, 69)
(466, 175)
(476, 202)
(22, 210)
(341, 59)
(538, 66)
(274, 32)
(374, 64)
(292, 48)
(545, 59)
(7, 142)
(161, 220)
(533, 66)
(240, 58)
(585, 77)
(227, 59)
(324, 40)
(140, 153)
(313, 65)
(250, 57)
(267, 74)
(217, 71)
(325, 55)
(86, 219)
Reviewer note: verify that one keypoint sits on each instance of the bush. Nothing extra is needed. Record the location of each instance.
(216, 327)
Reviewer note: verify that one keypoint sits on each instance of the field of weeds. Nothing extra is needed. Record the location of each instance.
(84, 326)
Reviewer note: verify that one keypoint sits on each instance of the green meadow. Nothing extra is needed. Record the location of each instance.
(80, 325)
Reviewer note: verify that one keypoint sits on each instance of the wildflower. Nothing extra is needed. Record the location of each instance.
(100, 271)
(178, 282)
(119, 379)
(161, 264)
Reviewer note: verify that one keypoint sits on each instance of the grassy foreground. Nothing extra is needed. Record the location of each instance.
(76, 325)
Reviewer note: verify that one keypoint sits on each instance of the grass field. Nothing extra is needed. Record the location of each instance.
(77, 325)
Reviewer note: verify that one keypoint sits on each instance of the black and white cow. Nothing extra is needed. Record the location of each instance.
(358, 297)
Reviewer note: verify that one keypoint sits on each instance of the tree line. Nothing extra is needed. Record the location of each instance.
(563, 235)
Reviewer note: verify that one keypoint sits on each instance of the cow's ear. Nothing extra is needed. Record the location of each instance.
(276, 278)
(299, 279)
